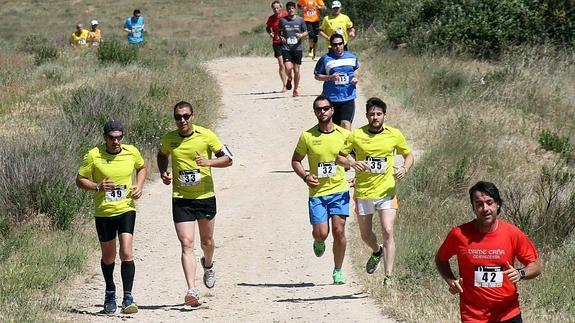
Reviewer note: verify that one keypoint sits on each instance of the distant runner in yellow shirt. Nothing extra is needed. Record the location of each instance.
(328, 188)
(107, 170)
(338, 23)
(375, 145)
(193, 196)
(79, 38)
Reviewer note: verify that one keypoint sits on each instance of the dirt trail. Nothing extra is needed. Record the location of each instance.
(264, 262)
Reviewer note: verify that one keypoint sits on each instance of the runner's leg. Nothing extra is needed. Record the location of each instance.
(206, 229)
(186, 231)
(387, 218)
(127, 256)
(320, 231)
(282, 72)
(296, 76)
(366, 230)
(107, 263)
(339, 241)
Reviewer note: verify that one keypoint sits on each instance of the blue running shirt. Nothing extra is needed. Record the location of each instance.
(345, 65)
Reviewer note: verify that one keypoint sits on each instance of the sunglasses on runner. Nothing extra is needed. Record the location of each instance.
(114, 138)
(179, 117)
(324, 108)
(336, 44)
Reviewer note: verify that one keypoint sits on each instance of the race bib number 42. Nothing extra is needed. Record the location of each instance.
(118, 193)
(326, 169)
(376, 165)
(488, 276)
(190, 177)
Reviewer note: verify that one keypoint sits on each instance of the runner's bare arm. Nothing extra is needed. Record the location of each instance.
(323, 34)
(401, 171)
(140, 179)
(310, 179)
(221, 161)
(444, 269)
(162, 161)
(86, 184)
(531, 271)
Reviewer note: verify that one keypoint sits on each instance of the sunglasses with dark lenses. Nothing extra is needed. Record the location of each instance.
(179, 117)
(336, 44)
(114, 138)
(324, 108)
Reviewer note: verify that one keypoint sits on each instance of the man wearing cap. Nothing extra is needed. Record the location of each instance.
(193, 196)
(79, 38)
(134, 26)
(107, 171)
(95, 34)
(338, 23)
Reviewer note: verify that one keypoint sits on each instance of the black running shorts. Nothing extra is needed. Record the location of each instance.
(109, 227)
(277, 50)
(185, 210)
(313, 30)
(343, 111)
(293, 56)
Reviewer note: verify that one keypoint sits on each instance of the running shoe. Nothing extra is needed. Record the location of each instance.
(110, 305)
(209, 274)
(373, 262)
(387, 281)
(338, 277)
(295, 93)
(192, 298)
(128, 305)
(318, 248)
(311, 53)
(288, 84)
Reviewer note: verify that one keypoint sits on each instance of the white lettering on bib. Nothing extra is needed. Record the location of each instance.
(326, 169)
(118, 193)
(136, 31)
(488, 276)
(190, 177)
(311, 12)
(82, 42)
(291, 40)
(342, 79)
(376, 165)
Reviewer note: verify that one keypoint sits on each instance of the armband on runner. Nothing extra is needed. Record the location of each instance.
(225, 152)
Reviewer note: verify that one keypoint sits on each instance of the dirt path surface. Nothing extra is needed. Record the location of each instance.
(264, 262)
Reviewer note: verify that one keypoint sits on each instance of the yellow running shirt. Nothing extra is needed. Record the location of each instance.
(82, 40)
(378, 151)
(189, 180)
(98, 164)
(321, 150)
(338, 24)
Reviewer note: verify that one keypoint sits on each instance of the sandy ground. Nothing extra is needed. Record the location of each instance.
(265, 266)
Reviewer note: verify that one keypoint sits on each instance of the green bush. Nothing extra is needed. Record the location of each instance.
(551, 141)
(46, 53)
(115, 51)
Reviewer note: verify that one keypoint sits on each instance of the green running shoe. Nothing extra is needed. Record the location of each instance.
(318, 248)
(338, 277)
(373, 263)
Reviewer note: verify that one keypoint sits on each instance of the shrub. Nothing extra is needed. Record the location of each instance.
(45, 53)
(114, 51)
(551, 141)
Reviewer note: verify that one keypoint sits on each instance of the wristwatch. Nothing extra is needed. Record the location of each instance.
(522, 273)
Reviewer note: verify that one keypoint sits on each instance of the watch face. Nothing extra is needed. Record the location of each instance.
(522, 273)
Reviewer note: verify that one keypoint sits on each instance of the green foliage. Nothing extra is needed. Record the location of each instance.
(551, 141)
(158, 91)
(483, 28)
(446, 80)
(39, 46)
(115, 51)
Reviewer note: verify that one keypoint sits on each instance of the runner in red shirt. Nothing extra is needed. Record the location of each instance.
(272, 28)
(486, 250)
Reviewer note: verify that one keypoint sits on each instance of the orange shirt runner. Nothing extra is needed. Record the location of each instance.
(310, 9)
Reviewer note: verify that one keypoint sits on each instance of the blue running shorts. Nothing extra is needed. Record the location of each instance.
(322, 208)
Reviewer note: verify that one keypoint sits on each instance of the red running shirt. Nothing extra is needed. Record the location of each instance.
(488, 295)
(273, 23)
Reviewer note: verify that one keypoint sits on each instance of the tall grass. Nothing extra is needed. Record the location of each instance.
(479, 121)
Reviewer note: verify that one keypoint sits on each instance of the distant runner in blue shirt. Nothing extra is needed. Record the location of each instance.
(339, 71)
(134, 26)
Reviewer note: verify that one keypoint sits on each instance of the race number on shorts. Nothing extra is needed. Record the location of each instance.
(118, 193)
(190, 177)
(376, 165)
(488, 276)
(326, 169)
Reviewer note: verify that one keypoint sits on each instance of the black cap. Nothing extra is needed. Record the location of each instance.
(113, 125)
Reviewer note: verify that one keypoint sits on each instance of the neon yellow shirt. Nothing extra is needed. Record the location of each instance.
(98, 164)
(189, 180)
(80, 41)
(321, 150)
(378, 151)
(338, 24)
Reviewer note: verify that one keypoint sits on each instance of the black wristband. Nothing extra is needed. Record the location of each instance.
(305, 177)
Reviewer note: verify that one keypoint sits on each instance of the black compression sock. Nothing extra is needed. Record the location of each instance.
(108, 272)
(128, 270)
